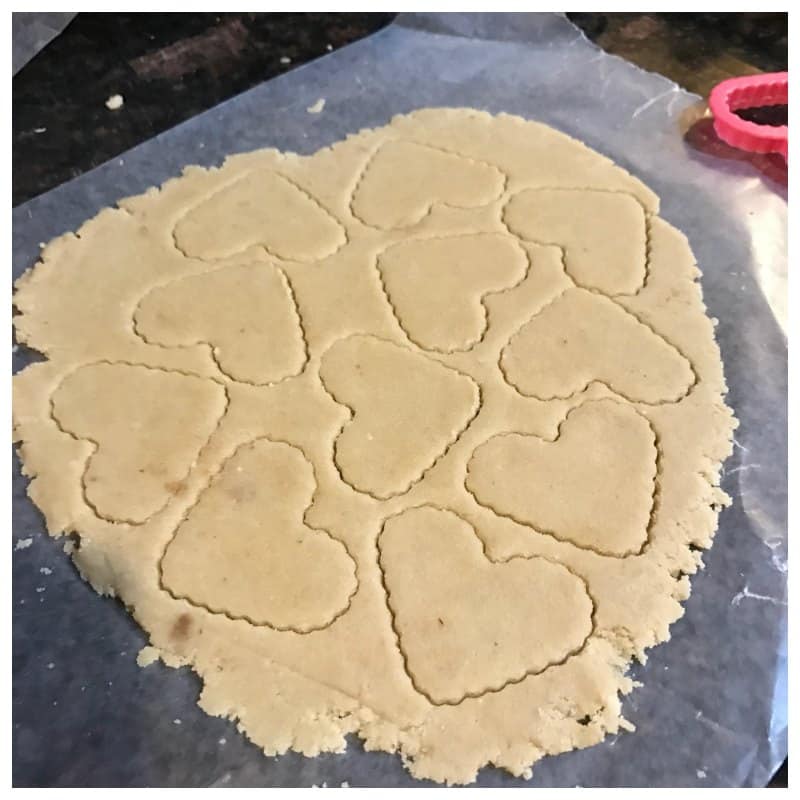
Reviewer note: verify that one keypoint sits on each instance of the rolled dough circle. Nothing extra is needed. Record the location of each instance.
(417, 437)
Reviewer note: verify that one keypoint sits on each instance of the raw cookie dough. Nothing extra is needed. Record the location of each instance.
(417, 437)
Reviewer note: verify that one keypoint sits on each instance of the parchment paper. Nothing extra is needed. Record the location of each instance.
(712, 710)
(33, 30)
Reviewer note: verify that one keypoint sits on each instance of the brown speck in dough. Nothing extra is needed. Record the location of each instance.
(420, 429)
(181, 627)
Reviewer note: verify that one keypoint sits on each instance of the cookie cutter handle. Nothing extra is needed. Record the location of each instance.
(751, 91)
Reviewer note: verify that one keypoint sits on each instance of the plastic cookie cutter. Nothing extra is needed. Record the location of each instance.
(751, 91)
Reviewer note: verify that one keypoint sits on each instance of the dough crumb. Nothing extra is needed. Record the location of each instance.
(45, 570)
(176, 722)
(626, 725)
(147, 655)
(23, 544)
(223, 740)
(316, 107)
(116, 101)
(286, 60)
(41, 589)
(701, 773)
(39, 130)
(345, 785)
(329, 47)
(14, 348)
(51, 665)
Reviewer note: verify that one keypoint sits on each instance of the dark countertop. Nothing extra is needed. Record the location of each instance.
(169, 67)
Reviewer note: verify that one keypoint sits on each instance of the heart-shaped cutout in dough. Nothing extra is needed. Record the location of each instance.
(436, 286)
(407, 411)
(262, 208)
(403, 180)
(246, 313)
(581, 337)
(147, 425)
(603, 234)
(467, 626)
(593, 486)
(243, 549)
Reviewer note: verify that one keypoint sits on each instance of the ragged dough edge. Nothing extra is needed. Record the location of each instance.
(425, 755)
(290, 712)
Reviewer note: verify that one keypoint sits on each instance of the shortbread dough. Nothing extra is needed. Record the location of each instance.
(416, 438)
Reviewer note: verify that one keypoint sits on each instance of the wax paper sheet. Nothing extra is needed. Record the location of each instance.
(33, 30)
(712, 708)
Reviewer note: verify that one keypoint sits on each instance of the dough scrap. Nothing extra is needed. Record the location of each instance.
(519, 368)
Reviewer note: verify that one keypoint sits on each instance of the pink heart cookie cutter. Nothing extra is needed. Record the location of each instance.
(751, 91)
